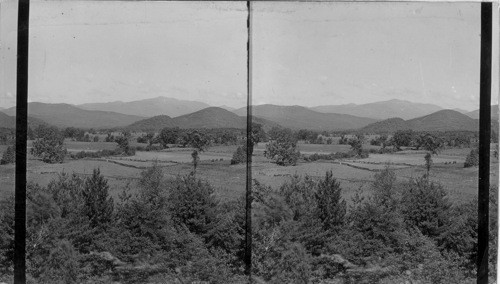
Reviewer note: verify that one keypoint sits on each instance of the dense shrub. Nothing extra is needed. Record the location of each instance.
(331, 208)
(9, 156)
(336, 156)
(283, 147)
(98, 206)
(148, 148)
(426, 206)
(240, 155)
(402, 138)
(472, 159)
(108, 153)
(399, 232)
(166, 229)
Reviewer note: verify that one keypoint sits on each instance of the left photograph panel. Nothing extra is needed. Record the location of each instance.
(8, 58)
(136, 164)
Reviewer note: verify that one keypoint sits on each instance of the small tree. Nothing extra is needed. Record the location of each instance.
(426, 206)
(196, 159)
(356, 146)
(124, 144)
(240, 155)
(49, 145)
(98, 204)
(257, 135)
(283, 149)
(343, 140)
(169, 135)
(402, 138)
(428, 162)
(472, 159)
(109, 137)
(430, 143)
(192, 203)
(331, 208)
(384, 189)
(199, 142)
(9, 156)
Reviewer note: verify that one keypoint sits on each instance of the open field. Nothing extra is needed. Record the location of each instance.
(447, 169)
(229, 180)
(180, 156)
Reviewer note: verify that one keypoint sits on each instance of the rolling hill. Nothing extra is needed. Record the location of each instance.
(154, 123)
(149, 107)
(65, 115)
(211, 117)
(7, 121)
(386, 126)
(443, 120)
(298, 117)
(382, 110)
(475, 113)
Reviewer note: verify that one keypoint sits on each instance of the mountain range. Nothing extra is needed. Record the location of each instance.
(443, 120)
(65, 115)
(382, 110)
(211, 117)
(494, 113)
(149, 107)
(298, 117)
(7, 121)
(295, 117)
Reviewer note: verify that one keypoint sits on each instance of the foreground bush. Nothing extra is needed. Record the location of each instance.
(400, 232)
(167, 229)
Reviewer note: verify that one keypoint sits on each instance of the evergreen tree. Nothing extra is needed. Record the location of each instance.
(426, 206)
(9, 156)
(192, 203)
(98, 205)
(428, 162)
(331, 208)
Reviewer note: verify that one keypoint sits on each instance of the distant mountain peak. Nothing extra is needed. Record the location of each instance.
(442, 120)
(382, 109)
(150, 107)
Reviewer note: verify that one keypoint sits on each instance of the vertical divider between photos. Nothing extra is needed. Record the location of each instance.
(248, 189)
(484, 142)
(21, 142)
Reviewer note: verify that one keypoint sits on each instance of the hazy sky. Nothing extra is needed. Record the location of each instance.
(303, 53)
(338, 53)
(86, 51)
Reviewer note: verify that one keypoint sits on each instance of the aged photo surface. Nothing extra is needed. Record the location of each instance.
(368, 169)
(135, 168)
(363, 141)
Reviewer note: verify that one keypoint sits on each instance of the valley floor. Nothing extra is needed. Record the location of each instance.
(229, 180)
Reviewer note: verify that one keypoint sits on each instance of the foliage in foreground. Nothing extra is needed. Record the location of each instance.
(170, 229)
(400, 232)
(303, 232)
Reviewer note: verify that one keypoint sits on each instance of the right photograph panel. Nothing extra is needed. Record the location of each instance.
(367, 122)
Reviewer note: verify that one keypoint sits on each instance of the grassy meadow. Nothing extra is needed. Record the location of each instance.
(229, 180)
